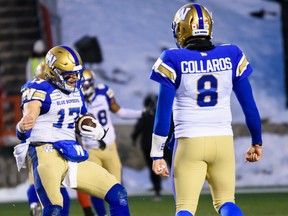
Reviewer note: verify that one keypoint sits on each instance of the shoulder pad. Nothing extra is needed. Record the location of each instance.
(101, 86)
(104, 89)
(36, 89)
(36, 83)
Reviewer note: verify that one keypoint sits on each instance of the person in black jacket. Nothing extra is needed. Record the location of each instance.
(144, 129)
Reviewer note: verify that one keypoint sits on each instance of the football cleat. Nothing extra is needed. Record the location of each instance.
(64, 68)
(191, 21)
(36, 209)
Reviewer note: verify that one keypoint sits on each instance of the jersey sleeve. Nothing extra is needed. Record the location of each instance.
(103, 89)
(35, 89)
(163, 71)
(243, 68)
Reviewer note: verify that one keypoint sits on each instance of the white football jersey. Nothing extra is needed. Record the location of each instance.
(99, 106)
(58, 113)
(203, 81)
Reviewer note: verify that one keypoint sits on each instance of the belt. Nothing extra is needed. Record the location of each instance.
(40, 143)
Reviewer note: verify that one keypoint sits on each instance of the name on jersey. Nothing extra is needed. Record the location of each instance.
(68, 101)
(206, 66)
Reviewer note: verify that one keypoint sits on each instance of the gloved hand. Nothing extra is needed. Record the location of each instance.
(102, 145)
(96, 133)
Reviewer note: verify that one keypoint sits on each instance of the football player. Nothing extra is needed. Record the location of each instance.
(50, 109)
(34, 203)
(100, 101)
(196, 81)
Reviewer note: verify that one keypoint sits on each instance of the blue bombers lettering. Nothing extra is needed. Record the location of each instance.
(68, 101)
(206, 66)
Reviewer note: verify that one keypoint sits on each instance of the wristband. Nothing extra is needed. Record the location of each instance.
(258, 144)
(158, 144)
(157, 158)
(22, 135)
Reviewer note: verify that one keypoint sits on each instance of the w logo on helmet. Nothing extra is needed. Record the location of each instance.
(50, 59)
(181, 15)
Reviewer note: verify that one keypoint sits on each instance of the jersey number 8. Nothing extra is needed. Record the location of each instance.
(207, 91)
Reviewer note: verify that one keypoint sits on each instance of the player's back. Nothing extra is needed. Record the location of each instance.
(205, 81)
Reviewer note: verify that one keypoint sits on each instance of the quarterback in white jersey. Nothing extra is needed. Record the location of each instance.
(47, 130)
(100, 101)
(196, 81)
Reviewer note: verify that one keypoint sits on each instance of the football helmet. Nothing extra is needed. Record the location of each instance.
(40, 71)
(88, 85)
(191, 21)
(64, 68)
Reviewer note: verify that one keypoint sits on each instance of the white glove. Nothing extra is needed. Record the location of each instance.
(97, 133)
(20, 152)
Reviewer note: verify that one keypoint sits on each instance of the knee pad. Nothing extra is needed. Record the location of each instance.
(183, 213)
(52, 210)
(117, 195)
(117, 199)
(230, 209)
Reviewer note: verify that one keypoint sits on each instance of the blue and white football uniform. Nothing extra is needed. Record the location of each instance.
(203, 83)
(196, 86)
(99, 106)
(56, 124)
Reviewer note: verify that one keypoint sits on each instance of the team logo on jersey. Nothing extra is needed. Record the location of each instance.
(48, 148)
(28, 94)
(79, 150)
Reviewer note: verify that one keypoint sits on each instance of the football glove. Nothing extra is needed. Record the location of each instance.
(96, 133)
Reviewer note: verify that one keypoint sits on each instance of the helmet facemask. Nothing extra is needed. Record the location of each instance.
(68, 80)
(64, 68)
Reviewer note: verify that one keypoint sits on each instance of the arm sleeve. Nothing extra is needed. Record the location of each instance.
(125, 113)
(243, 92)
(163, 115)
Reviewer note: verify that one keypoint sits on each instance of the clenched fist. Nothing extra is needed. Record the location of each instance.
(254, 153)
(26, 123)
